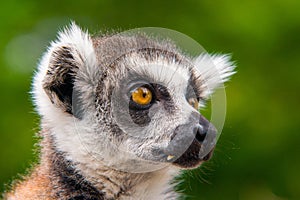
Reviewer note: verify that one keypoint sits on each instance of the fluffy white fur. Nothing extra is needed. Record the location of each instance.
(214, 70)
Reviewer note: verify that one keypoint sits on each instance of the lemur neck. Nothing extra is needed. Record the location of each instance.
(65, 180)
(77, 180)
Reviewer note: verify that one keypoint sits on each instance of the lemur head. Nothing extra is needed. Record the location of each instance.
(127, 102)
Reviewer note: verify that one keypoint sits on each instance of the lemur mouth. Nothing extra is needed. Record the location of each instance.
(192, 144)
(192, 158)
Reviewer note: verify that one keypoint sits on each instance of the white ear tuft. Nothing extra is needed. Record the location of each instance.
(214, 70)
(80, 40)
(83, 54)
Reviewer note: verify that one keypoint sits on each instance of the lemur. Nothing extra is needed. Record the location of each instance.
(119, 117)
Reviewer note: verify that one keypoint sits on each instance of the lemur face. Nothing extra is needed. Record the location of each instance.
(154, 104)
(128, 102)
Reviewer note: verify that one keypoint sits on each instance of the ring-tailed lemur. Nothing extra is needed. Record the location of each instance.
(119, 117)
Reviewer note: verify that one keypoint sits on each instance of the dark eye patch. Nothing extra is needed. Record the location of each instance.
(161, 92)
(140, 117)
(191, 93)
(194, 87)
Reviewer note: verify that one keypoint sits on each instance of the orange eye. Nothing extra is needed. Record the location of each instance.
(141, 96)
(193, 102)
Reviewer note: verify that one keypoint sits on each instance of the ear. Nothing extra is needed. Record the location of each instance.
(60, 77)
(71, 55)
(214, 71)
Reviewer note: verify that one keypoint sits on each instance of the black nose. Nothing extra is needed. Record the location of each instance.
(201, 129)
(200, 133)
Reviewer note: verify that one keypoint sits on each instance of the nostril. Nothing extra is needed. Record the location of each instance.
(200, 134)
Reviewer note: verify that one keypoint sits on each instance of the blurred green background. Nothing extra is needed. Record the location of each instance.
(258, 153)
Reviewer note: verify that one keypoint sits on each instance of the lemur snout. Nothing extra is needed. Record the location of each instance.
(192, 142)
(197, 137)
